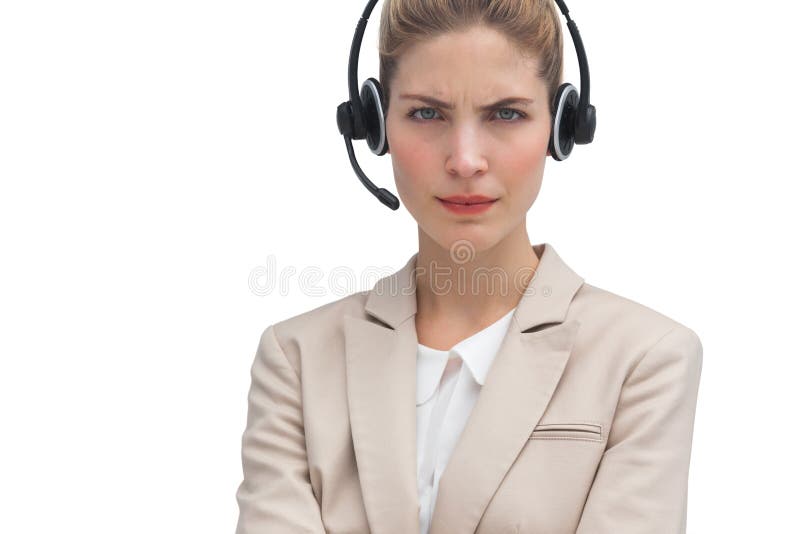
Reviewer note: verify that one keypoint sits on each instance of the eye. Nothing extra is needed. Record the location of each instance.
(521, 115)
(506, 114)
(414, 111)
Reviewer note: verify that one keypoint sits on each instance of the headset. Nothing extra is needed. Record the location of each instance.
(364, 115)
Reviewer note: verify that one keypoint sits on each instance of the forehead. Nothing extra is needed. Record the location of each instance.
(479, 60)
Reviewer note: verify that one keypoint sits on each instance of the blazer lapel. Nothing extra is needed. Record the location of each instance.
(381, 394)
(381, 390)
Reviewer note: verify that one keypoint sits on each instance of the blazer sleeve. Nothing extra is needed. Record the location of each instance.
(275, 494)
(641, 484)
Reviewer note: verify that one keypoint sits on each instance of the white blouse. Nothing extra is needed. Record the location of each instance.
(446, 393)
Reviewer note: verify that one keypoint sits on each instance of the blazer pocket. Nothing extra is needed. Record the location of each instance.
(581, 431)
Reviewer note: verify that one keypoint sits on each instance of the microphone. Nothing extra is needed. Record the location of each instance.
(346, 124)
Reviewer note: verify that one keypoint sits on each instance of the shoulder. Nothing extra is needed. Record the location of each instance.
(324, 320)
(635, 327)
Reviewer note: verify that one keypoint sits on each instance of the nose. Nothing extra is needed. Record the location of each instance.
(466, 157)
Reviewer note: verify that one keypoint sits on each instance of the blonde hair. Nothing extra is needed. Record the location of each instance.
(533, 26)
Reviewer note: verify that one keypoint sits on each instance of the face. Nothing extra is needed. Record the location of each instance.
(471, 149)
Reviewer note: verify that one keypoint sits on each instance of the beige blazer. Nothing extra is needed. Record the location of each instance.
(584, 424)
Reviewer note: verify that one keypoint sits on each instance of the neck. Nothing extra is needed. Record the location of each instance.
(470, 285)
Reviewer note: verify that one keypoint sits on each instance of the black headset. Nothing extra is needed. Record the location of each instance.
(364, 115)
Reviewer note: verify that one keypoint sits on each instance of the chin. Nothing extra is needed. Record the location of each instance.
(466, 239)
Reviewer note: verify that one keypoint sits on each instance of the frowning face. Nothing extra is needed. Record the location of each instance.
(468, 116)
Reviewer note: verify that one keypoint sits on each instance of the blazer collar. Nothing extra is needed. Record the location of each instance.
(381, 349)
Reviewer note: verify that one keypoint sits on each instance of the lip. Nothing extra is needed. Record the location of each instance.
(467, 199)
(467, 205)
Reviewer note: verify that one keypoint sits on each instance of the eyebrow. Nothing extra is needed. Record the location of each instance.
(446, 105)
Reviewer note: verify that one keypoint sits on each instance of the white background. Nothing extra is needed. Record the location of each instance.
(156, 154)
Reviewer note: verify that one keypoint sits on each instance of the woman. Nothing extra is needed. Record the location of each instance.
(484, 387)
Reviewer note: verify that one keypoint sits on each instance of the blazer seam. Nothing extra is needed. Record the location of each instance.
(630, 373)
(645, 353)
(311, 484)
(283, 353)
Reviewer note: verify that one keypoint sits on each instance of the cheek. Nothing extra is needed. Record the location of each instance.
(528, 150)
(524, 161)
(413, 160)
(523, 166)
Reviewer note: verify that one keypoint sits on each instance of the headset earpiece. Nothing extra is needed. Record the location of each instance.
(562, 134)
(374, 108)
